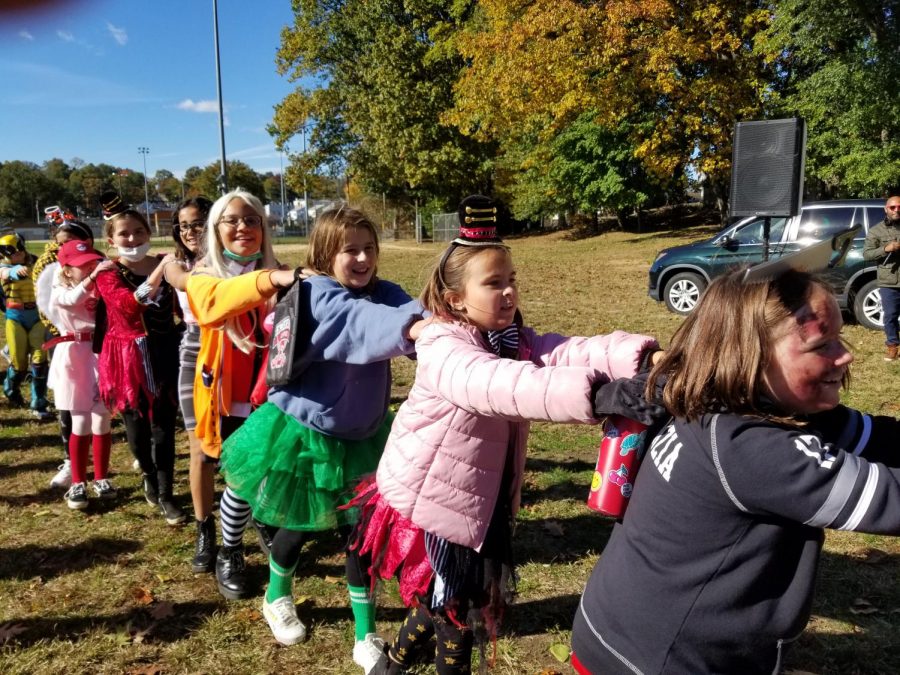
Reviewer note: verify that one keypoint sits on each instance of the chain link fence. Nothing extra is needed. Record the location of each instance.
(444, 226)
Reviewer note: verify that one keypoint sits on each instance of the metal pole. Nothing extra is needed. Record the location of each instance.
(281, 162)
(305, 199)
(223, 176)
(144, 152)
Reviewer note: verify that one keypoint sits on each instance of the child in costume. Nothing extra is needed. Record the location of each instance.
(229, 293)
(138, 342)
(24, 330)
(44, 273)
(296, 457)
(713, 567)
(449, 484)
(73, 370)
(188, 227)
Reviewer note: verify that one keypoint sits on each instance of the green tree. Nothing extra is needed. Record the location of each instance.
(839, 68)
(167, 186)
(23, 186)
(240, 175)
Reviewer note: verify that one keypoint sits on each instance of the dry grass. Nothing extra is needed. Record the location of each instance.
(110, 590)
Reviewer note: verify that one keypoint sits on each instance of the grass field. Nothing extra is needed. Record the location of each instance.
(110, 590)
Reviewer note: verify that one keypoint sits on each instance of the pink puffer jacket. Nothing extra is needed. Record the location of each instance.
(444, 459)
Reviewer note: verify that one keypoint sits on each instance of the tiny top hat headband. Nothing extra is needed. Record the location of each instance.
(112, 204)
(478, 217)
(477, 222)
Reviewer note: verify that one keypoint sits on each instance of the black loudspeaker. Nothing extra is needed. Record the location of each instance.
(767, 167)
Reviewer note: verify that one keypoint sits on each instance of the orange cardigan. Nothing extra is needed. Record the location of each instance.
(213, 301)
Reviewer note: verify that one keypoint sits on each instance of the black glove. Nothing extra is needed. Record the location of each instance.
(625, 397)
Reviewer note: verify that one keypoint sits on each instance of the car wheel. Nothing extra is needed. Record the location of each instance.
(682, 292)
(867, 306)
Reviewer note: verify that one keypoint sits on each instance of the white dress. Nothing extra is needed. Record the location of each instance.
(73, 368)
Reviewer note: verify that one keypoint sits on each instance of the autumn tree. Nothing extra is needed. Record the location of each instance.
(386, 72)
(677, 73)
(240, 175)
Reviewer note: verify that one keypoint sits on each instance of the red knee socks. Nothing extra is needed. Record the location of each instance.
(102, 443)
(78, 456)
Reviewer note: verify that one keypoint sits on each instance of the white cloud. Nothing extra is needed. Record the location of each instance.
(120, 35)
(65, 36)
(198, 106)
(25, 35)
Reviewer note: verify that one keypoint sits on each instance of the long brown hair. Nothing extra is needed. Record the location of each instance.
(718, 356)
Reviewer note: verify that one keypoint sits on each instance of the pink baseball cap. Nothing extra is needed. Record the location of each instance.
(76, 253)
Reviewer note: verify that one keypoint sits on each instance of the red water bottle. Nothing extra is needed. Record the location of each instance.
(621, 450)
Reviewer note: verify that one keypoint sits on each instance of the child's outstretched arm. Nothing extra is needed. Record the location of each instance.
(214, 300)
(615, 355)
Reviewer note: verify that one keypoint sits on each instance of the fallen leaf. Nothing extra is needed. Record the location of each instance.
(249, 614)
(554, 528)
(143, 596)
(550, 671)
(10, 630)
(45, 512)
(162, 610)
(301, 599)
(863, 606)
(163, 578)
(560, 652)
(333, 580)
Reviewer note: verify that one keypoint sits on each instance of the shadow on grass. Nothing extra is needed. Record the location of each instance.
(185, 617)
(50, 466)
(534, 617)
(552, 540)
(47, 495)
(30, 441)
(25, 562)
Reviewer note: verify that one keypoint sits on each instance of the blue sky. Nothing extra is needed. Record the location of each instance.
(96, 79)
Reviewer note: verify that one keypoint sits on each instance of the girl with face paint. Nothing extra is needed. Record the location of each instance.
(139, 354)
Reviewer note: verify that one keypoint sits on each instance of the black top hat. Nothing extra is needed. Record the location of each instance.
(478, 221)
(112, 204)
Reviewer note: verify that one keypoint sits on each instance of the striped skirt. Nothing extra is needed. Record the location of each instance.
(187, 356)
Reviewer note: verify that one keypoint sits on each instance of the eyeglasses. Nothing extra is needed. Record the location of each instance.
(196, 226)
(893, 207)
(232, 221)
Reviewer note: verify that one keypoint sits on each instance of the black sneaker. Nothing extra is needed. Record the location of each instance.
(230, 572)
(151, 493)
(172, 514)
(76, 497)
(264, 533)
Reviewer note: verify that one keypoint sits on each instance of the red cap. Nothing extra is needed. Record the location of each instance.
(76, 253)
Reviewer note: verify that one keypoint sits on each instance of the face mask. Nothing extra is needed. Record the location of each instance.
(134, 254)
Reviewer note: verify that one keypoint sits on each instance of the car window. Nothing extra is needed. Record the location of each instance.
(876, 215)
(819, 224)
(752, 232)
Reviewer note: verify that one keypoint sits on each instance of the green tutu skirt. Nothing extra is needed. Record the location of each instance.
(295, 477)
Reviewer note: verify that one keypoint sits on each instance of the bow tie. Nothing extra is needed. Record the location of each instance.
(505, 342)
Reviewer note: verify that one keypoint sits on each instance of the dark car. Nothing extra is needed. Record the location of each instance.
(680, 274)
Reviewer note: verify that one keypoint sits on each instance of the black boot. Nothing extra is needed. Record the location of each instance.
(151, 489)
(167, 506)
(204, 554)
(230, 572)
(264, 533)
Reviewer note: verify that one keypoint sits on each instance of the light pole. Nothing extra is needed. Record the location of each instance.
(281, 162)
(305, 200)
(223, 176)
(144, 151)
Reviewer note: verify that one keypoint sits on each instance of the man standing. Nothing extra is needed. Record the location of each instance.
(883, 245)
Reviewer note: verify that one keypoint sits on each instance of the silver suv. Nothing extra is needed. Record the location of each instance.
(680, 274)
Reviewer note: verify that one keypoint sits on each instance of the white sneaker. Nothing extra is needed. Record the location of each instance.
(63, 477)
(366, 652)
(136, 465)
(282, 618)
